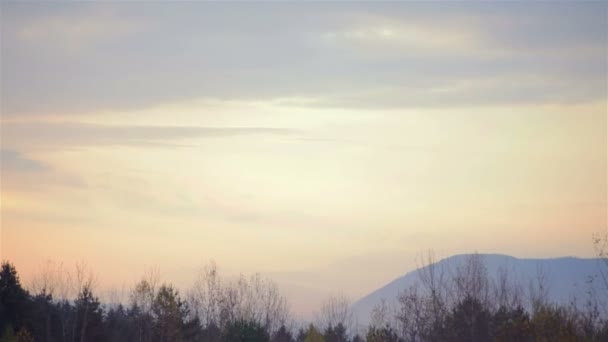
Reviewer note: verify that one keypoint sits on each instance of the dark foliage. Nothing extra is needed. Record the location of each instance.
(244, 331)
(14, 300)
(469, 321)
(336, 334)
(282, 335)
(162, 315)
(382, 334)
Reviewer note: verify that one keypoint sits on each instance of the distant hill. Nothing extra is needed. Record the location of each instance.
(566, 277)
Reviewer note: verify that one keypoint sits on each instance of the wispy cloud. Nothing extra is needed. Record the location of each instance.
(80, 134)
(14, 161)
(21, 172)
(78, 30)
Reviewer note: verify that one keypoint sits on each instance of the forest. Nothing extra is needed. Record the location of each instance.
(460, 305)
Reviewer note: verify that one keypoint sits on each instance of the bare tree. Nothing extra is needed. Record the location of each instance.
(471, 280)
(335, 311)
(83, 285)
(263, 303)
(506, 291)
(206, 294)
(115, 297)
(219, 302)
(433, 278)
(539, 289)
(43, 281)
(413, 314)
(434, 282)
(64, 293)
(143, 293)
(63, 286)
(381, 314)
(600, 242)
(84, 278)
(142, 298)
(47, 284)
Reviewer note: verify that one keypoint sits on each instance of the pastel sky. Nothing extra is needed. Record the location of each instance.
(327, 145)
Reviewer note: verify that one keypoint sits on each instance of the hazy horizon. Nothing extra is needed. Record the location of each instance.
(327, 145)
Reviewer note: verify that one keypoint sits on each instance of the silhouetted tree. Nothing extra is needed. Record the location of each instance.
(120, 326)
(245, 331)
(469, 321)
(67, 320)
(13, 298)
(335, 311)
(382, 334)
(301, 336)
(169, 313)
(282, 335)
(142, 300)
(44, 318)
(251, 299)
(335, 334)
(511, 324)
(551, 323)
(212, 333)
(89, 317)
(358, 338)
(252, 310)
(313, 335)
(192, 330)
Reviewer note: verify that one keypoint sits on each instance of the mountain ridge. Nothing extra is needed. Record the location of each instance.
(567, 277)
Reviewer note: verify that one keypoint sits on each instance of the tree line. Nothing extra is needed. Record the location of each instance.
(464, 304)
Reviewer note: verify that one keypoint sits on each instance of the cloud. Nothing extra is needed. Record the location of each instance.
(396, 36)
(80, 134)
(14, 161)
(66, 29)
(80, 31)
(19, 172)
(504, 91)
(162, 53)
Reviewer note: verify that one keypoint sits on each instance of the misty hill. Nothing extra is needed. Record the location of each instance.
(566, 277)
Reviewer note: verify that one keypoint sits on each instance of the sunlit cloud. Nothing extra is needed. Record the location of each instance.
(402, 37)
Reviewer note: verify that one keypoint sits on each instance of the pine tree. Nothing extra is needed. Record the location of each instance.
(13, 298)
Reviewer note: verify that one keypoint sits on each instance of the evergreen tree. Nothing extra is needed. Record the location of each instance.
(469, 321)
(89, 317)
(119, 325)
(313, 335)
(169, 313)
(245, 331)
(13, 298)
(282, 335)
(43, 318)
(335, 334)
(212, 333)
(192, 330)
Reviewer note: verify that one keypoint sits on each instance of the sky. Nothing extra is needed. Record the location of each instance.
(325, 144)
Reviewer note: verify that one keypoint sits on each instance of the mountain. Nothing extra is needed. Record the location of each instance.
(566, 277)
